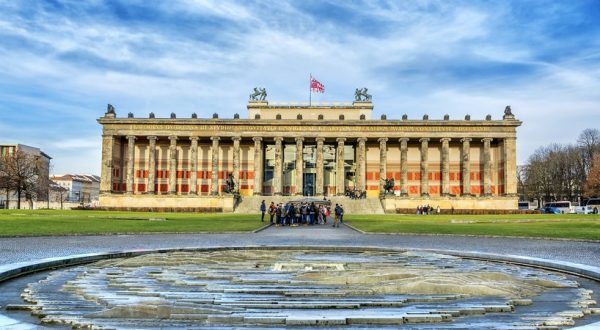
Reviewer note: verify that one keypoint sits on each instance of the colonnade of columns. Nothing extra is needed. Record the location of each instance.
(508, 150)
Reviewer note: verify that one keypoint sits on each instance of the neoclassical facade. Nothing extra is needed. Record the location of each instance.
(310, 150)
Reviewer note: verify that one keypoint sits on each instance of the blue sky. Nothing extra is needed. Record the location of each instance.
(61, 62)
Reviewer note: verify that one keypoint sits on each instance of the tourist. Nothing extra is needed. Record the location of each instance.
(320, 215)
(278, 213)
(341, 213)
(263, 209)
(298, 220)
(336, 220)
(312, 210)
(438, 210)
(418, 209)
(304, 211)
(271, 212)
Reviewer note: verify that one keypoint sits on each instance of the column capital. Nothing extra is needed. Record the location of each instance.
(194, 138)
(152, 137)
(466, 140)
(361, 140)
(299, 139)
(215, 138)
(131, 137)
(257, 139)
(424, 140)
(278, 139)
(445, 139)
(404, 139)
(340, 140)
(487, 139)
(236, 138)
(320, 139)
(173, 138)
(382, 140)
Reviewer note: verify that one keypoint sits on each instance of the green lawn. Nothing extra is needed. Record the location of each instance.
(55, 222)
(571, 226)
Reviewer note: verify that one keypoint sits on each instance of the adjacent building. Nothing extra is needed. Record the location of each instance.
(81, 188)
(308, 150)
(9, 197)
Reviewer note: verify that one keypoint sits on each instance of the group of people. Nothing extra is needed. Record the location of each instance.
(290, 214)
(427, 209)
(355, 193)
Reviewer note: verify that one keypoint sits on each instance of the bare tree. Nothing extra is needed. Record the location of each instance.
(23, 172)
(57, 193)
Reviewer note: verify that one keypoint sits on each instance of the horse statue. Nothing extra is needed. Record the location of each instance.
(388, 186)
(259, 94)
(230, 184)
(362, 95)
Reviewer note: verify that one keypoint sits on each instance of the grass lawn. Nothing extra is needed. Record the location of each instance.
(571, 226)
(57, 222)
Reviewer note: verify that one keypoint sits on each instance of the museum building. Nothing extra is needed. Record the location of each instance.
(318, 149)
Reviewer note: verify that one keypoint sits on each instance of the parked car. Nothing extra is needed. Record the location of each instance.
(552, 210)
(591, 206)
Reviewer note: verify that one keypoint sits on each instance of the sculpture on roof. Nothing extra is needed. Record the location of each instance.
(362, 95)
(110, 109)
(259, 94)
(508, 111)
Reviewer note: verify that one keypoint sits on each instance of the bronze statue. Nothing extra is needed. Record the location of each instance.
(230, 184)
(388, 186)
(259, 94)
(508, 111)
(110, 109)
(362, 95)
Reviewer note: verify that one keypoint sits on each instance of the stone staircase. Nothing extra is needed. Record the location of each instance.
(251, 204)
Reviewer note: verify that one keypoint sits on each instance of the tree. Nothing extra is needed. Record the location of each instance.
(60, 193)
(21, 173)
(592, 185)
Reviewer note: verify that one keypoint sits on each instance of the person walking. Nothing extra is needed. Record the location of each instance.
(278, 213)
(341, 214)
(336, 220)
(263, 209)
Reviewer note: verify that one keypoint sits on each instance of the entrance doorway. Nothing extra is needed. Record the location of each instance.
(309, 184)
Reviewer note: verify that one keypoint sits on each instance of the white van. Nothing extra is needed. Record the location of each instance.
(562, 207)
(592, 206)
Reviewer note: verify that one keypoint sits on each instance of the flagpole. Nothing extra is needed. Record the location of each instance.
(309, 90)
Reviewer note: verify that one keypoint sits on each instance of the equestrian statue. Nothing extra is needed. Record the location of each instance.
(362, 95)
(259, 94)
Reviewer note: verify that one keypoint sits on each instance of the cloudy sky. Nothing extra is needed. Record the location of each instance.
(61, 62)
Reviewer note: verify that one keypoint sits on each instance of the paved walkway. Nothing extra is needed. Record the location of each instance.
(31, 248)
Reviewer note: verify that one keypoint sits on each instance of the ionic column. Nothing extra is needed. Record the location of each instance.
(236, 161)
(403, 166)
(382, 164)
(466, 166)
(510, 166)
(424, 166)
(151, 164)
(258, 168)
(361, 164)
(278, 168)
(173, 165)
(194, 165)
(106, 173)
(130, 161)
(299, 167)
(319, 183)
(340, 174)
(487, 167)
(214, 177)
(445, 166)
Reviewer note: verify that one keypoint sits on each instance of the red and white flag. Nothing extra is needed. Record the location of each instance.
(316, 86)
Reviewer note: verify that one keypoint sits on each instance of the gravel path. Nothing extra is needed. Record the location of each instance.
(31, 248)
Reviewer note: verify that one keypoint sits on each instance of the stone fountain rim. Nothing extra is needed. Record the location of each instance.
(13, 270)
